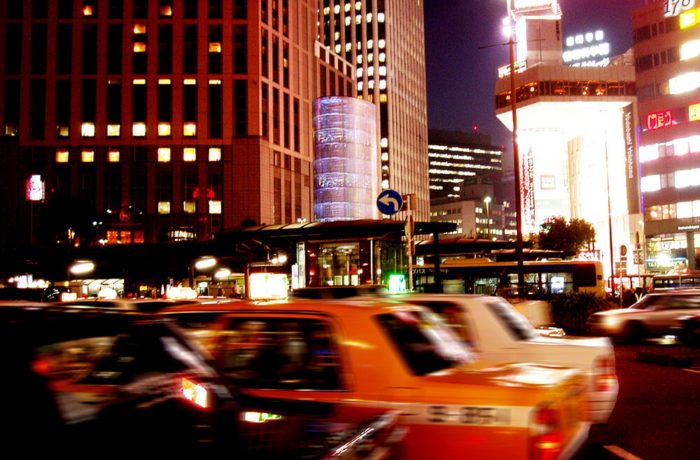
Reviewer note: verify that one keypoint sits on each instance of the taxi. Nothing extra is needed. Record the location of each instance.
(497, 332)
(341, 360)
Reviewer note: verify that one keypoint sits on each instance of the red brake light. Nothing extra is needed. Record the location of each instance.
(545, 434)
(195, 393)
(604, 369)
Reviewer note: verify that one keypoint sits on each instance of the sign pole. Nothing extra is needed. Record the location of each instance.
(408, 230)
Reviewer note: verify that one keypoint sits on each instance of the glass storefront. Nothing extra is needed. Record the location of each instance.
(353, 263)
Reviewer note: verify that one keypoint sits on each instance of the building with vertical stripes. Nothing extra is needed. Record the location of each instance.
(385, 40)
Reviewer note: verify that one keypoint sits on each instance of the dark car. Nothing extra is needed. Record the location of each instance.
(85, 383)
(93, 384)
(688, 330)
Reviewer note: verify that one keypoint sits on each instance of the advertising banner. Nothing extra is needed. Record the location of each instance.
(631, 160)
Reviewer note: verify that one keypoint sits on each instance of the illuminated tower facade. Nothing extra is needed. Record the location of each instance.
(385, 39)
(576, 131)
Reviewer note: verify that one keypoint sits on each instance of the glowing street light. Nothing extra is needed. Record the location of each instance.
(82, 267)
(205, 263)
(487, 201)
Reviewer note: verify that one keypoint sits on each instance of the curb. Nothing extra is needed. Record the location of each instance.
(666, 359)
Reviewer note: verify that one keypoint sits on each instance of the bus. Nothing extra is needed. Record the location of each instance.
(483, 276)
(677, 281)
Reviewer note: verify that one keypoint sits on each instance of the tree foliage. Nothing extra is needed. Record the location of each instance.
(568, 237)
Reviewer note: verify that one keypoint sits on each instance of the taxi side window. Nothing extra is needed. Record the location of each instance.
(457, 319)
(92, 370)
(280, 353)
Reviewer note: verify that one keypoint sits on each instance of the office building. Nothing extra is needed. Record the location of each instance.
(456, 158)
(384, 39)
(667, 56)
(162, 120)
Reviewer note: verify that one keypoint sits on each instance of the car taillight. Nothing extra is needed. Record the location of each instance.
(194, 392)
(545, 433)
(604, 373)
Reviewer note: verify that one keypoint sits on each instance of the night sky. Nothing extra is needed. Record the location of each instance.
(461, 64)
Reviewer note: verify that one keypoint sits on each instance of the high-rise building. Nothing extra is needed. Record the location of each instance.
(385, 40)
(667, 55)
(163, 119)
(457, 158)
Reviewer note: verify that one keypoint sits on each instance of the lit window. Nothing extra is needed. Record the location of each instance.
(370, 57)
(382, 97)
(347, 20)
(694, 143)
(385, 156)
(651, 183)
(680, 147)
(359, 71)
(327, 10)
(139, 129)
(139, 81)
(165, 10)
(113, 130)
(139, 47)
(370, 72)
(163, 154)
(358, 6)
(684, 209)
(382, 71)
(370, 44)
(384, 142)
(62, 156)
(214, 82)
(690, 50)
(63, 130)
(684, 83)
(214, 207)
(382, 57)
(214, 153)
(164, 128)
(87, 156)
(189, 129)
(380, 17)
(11, 129)
(369, 18)
(189, 81)
(385, 184)
(113, 156)
(358, 19)
(347, 7)
(163, 81)
(382, 84)
(139, 28)
(648, 153)
(348, 46)
(189, 207)
(88, 10)
(87, 129)
(687, 178)
(164, 207)
(382, 43)
(189, 154)
(694, 112)
(337, 48)
(214, 47)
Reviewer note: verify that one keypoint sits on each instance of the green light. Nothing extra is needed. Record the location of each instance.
(397, 283)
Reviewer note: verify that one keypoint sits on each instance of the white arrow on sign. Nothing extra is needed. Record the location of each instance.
(386, 199)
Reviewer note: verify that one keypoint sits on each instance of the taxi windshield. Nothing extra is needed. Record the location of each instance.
(516, 324)
(425, 343)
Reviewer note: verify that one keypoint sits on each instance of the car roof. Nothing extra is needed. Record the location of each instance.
(349, 306)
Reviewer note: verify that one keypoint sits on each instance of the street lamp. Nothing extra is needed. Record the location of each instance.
(516, 157)
(487, 201)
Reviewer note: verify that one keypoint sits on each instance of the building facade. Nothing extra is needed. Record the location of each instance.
(161, 120)
(389, 55)
(456, 158)
(667, 56)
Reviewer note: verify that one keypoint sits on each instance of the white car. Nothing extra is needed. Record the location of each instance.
(497, 332)
(655, 314)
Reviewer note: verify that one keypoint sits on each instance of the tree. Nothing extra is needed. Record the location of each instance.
(568, 237)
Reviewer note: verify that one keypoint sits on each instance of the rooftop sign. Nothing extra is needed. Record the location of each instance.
(587, 50)
(676, 7)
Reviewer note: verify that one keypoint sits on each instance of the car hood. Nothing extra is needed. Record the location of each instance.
(620, 311)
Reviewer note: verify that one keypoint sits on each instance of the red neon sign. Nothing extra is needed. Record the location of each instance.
(656, 120)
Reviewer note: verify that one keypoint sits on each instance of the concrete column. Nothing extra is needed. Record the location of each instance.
(690, 251)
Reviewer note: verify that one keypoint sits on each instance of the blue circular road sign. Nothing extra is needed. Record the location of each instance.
(389, 202)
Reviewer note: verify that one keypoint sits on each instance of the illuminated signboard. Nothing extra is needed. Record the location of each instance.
(535, 8)
(689, 19)
(587, 50)
(267, 286)
(694, 112)
(35, 188)
(676, 7)
(656, 120)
